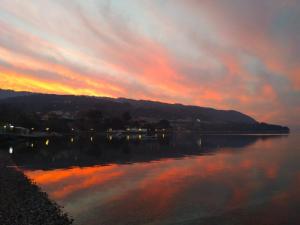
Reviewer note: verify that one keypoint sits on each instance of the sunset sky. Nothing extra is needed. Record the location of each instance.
(226, 54)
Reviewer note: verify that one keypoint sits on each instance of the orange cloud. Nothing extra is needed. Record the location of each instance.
(229, 63)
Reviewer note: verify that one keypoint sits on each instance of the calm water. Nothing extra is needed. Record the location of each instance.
(184, 179)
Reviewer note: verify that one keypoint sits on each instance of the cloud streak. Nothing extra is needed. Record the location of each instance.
(233, 55)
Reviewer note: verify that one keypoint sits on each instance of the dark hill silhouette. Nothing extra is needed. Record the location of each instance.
(15, 104)
(32, 102)
(4, 94)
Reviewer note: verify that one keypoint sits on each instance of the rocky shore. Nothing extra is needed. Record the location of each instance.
(23, 203)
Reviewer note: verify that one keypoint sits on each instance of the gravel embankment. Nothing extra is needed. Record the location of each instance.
(23, 203)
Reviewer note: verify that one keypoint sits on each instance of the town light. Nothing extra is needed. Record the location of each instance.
(110, 137)
(72, 140)
(47, 129)
(200, 142)
(32, 128)
(4, 127)
(91, 139)
(11, 150)
(47, 142)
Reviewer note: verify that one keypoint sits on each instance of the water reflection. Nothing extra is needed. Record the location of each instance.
(98, 150)
(228, 180)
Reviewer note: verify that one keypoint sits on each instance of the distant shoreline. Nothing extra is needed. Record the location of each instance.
(83, 133)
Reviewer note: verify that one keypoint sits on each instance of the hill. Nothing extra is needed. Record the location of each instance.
(31, 102)
(16, 104)
(4, 94)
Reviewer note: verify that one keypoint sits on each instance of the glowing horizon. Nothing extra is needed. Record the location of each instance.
(228, 55)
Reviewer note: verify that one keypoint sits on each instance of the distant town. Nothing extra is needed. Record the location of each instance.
(58, 123)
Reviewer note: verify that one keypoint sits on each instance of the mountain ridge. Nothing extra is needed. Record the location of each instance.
(114, 106)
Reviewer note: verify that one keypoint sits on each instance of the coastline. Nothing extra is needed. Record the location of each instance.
(23, 202)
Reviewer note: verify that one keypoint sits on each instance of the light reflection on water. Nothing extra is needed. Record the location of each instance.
(237, 180)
